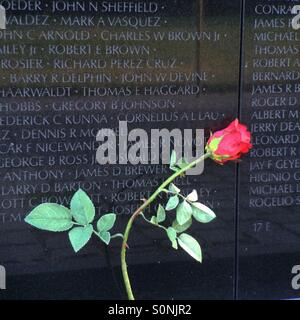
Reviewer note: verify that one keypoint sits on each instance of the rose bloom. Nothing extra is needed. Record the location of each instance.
(230, 143)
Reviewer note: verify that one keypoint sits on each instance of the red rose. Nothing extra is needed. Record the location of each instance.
(230, 143)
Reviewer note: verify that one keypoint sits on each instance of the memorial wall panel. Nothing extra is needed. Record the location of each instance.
(71, 68)
(269, 189)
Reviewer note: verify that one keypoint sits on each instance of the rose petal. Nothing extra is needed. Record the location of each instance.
(235, 141)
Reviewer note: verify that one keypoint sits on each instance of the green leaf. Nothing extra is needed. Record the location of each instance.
(153, 220)
(191, 246)
(173, 160)
(161, 214)
(182, 228)
(82, 208)
(202, 213)
(172, 234)
(106, 222)
(175, 244)
(105, 237)
(50, 217)
(174, 189)
(182, 163)
(183, 213)
(172, 203)
(80, 236)
(193, 196)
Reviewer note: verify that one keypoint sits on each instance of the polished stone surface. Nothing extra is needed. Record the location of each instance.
(69, 70)
(179, 68)
(269, 224)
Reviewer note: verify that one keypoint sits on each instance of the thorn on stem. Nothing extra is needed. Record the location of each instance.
(125, 245)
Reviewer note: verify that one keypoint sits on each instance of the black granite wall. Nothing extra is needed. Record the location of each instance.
(71, 68)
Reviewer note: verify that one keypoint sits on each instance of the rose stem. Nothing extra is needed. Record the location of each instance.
(139, 211)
